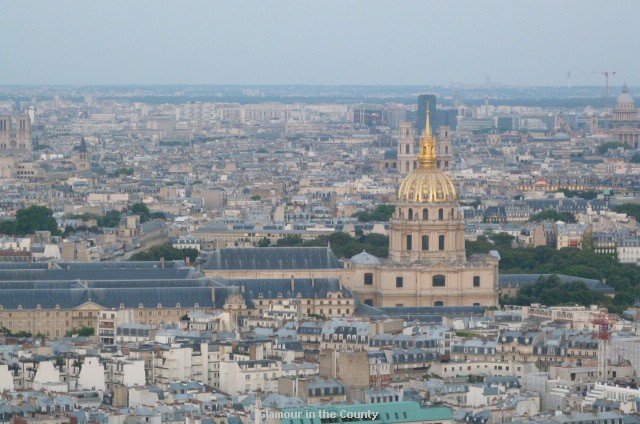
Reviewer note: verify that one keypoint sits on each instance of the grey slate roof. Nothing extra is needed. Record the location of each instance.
(107, 284)
(273, 288)
(272, 258)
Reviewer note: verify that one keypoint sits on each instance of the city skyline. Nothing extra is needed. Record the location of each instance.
(332, 43)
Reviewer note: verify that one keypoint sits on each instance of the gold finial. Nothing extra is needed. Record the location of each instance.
(428, 156)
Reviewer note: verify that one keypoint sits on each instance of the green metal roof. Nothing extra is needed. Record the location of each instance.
(379, 413)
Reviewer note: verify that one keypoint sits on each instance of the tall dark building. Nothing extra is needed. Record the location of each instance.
(421, 116)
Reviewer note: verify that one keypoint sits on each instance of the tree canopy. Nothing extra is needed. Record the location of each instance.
(166, 251)
(342, 244)
(553, 215)
(583, 194)
(142, 210)
(551, 291)
(624, 278)
(630, 209)
(382, 213)
(604, 147)
(29, 220)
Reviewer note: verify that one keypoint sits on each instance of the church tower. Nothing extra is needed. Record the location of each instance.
(82, 159)
(427, 223)
(445, 150)
(406, 155)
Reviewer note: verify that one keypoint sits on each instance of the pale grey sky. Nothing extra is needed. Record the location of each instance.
(532, 42)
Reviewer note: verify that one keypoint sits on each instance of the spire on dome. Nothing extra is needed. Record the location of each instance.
(428, 156)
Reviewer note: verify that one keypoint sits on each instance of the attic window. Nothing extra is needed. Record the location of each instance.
(260, 296)
(57, 306)
(196, 305)
(140, 305)
(178, 305)
(279, 295)
(298, 295)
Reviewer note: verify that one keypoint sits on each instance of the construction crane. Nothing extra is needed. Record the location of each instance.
(604, 324)
(606, 98)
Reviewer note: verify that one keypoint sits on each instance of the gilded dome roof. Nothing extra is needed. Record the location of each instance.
(426, 183)
(426, 186)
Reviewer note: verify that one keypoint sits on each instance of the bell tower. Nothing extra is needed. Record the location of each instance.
(406, 155)
(445, 150)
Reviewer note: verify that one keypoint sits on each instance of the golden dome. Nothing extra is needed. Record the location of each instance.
(427, 183)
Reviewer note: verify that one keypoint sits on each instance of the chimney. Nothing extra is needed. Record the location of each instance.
(162, 262)
(293, 285)
(187, 260)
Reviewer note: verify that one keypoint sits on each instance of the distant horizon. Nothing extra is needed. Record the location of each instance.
(545, 43)
(452, 86)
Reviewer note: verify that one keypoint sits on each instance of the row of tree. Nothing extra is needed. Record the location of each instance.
(40, 218)
(624, 278)
(342, 244)
(166, 251)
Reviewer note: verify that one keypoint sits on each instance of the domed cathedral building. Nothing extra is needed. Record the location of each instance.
(427, 264)
(625, 120)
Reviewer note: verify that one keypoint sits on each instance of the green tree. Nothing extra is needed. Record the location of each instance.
(631, 209)
(289, 241)
(142, 210)
(166, 251)
(604, 147)
(35, 218)
(382, 213)
(635, 158)
(264, 242)
(110, 219)
(82, 332)
(553, 215)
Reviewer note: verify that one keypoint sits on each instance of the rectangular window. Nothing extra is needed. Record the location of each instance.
(368, 278)
(476, 281)
(425, 242)
(409, 242)
(399, 282)
(441, 242)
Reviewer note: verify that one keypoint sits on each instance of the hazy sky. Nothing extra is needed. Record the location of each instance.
(527, 42)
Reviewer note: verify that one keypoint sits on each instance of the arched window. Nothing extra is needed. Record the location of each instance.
(438, 303)
(439, 280)
(410, 213)
(446, 149)
(406, 149)
(425, 214)
(440, 214)
(452, 213)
